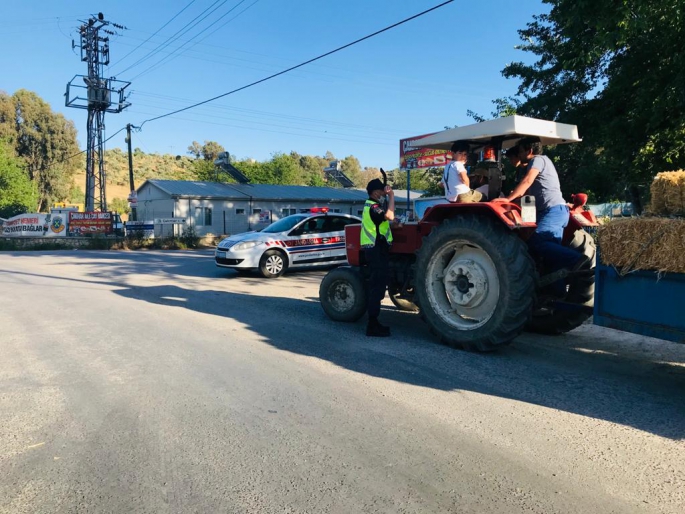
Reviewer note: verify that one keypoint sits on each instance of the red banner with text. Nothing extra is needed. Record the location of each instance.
(412, 157)
(82, 223)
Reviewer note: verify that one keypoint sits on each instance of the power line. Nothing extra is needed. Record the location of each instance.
(18, 22)
(173, 55)
(81, 152)
(369, 81)
(177, 34)
(205, 122)
(287, 117)
(303, 63)
(153, 35)
(289, 127)
(404, 79)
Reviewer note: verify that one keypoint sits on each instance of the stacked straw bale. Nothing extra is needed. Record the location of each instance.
(668, 194)
(647, 243)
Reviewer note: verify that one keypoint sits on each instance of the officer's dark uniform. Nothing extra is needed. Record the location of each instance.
(376, 239)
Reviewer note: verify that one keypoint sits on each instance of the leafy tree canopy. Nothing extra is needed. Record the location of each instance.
(44, 140)
(16, 191)
(615, 69)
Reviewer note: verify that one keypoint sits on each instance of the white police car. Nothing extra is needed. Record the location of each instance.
(315, 238)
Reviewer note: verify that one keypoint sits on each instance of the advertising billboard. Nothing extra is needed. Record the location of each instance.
(83, 223)
(412, 157)
(35, 225)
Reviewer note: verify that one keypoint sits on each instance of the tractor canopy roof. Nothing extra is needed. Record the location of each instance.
(509, 130)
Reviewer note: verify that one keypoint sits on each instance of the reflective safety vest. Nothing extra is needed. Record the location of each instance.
(368, 232)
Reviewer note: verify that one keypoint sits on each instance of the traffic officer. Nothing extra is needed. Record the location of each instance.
(376, 239)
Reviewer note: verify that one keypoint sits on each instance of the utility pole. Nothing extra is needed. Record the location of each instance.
(98, 96)
(132, 199)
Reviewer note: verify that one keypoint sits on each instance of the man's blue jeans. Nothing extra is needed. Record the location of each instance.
(545, 243)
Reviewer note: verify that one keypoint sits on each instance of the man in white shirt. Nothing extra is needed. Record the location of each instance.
(455, 179)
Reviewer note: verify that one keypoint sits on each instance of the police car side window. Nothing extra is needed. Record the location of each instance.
(338, 223)
(335, 224)
(297, 231)
(316, 225)
(310, 226)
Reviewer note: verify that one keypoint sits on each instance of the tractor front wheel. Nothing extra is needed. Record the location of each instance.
(475, 283)
(342, 294)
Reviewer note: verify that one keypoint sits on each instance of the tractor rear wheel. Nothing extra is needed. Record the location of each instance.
(342, 294)
(475, 283)
(581, 292)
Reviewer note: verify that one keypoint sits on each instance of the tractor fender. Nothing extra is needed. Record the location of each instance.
(507, 213)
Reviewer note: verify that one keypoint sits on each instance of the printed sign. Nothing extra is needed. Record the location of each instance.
(35, 225)
(142, 229)
(170, 221)
(82, 223)
(412, 157)
(265, 217)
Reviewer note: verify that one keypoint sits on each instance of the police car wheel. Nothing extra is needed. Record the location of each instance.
(272, 264)
(343, 294)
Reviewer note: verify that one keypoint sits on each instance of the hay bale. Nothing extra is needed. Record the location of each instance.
(668, 194)
(648, 243)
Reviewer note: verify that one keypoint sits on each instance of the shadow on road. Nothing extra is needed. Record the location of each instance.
(600, 385)
(571, 373)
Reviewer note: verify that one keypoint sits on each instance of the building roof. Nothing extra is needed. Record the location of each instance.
(197, 189)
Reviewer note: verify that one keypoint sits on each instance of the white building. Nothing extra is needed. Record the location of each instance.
(214, 208)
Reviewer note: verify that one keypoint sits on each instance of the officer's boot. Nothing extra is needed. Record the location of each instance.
(375, 329)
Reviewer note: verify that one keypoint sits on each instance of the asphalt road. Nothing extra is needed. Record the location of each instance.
(154, 382)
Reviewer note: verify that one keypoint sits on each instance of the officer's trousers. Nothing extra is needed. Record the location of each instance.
(377, 259)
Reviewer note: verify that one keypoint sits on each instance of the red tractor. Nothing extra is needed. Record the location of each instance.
(466, 267)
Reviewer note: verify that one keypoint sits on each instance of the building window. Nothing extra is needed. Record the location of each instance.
(203, 216)
(256, 211)
(288, 212)
(359, 213)
(336, 210)
(240, 211)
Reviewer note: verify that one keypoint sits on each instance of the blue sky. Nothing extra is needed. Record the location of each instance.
(414, 79)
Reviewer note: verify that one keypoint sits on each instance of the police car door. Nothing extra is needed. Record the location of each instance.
(309, 242)
(335, 236)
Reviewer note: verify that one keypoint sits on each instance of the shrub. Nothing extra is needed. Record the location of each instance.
(189, 237)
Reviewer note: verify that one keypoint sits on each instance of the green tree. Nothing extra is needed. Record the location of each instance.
(119, 205)
(284, 169)
(207, 171)
(615, 70)
(352, 168)
(45, 140)
(209, 151)
(427, 180)
(195, 149)
(16, 191)
(76, 194)
(312, 170)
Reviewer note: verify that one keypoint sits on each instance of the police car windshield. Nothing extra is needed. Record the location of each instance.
(285, 224)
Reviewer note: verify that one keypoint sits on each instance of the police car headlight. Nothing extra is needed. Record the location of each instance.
(246, 245)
